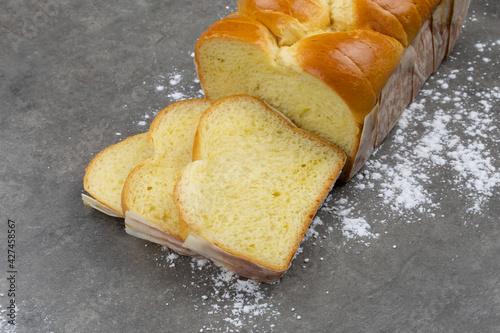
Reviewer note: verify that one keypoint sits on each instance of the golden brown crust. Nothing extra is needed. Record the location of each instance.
(400, 19)
(356, 64)
(235, 27)
(240, 27)
(289, 20)
(303, 10)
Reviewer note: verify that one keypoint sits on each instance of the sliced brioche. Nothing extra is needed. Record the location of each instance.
(147, 193)
(253, 187)
(106, 173)
(326, 83)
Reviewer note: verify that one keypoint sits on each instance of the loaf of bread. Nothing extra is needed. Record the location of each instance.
(238, 181)
(148, 189)
(253, 187)
(106, 173)
(344, 69)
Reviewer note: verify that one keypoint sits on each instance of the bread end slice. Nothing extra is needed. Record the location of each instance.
(106, 173)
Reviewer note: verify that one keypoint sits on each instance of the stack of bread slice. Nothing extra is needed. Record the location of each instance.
(135, 178)
(247, 183)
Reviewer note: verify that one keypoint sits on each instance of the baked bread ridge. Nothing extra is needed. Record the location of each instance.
(317, 82)
(106, 173)
(147, 192)
(291, 20)
(254, 186)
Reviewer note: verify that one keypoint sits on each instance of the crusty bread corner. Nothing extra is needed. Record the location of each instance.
(289, 21)
(147, 192)
(292, 20)
(254, 185)
(106, 173)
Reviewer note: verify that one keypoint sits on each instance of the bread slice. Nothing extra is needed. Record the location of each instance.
(253, 187)
(106, 173)
(147, 193)
(325, 83)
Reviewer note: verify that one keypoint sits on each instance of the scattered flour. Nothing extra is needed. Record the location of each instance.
(177, 96)
(356, 227)
(175, 79)
(175, 86)
(311, 232)
(239, 302)
(236, 304)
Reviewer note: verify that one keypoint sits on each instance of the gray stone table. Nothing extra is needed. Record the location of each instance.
(412, 244)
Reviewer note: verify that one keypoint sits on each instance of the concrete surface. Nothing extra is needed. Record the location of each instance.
(77, 76)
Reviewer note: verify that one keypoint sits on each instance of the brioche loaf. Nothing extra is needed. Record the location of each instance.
(346, 79)
(343, 70)
(106, 173)
(147, 192)
(253, 187)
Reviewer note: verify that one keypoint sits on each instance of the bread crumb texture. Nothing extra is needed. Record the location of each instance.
(258, 181)
(106, 173)
(148, 188)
